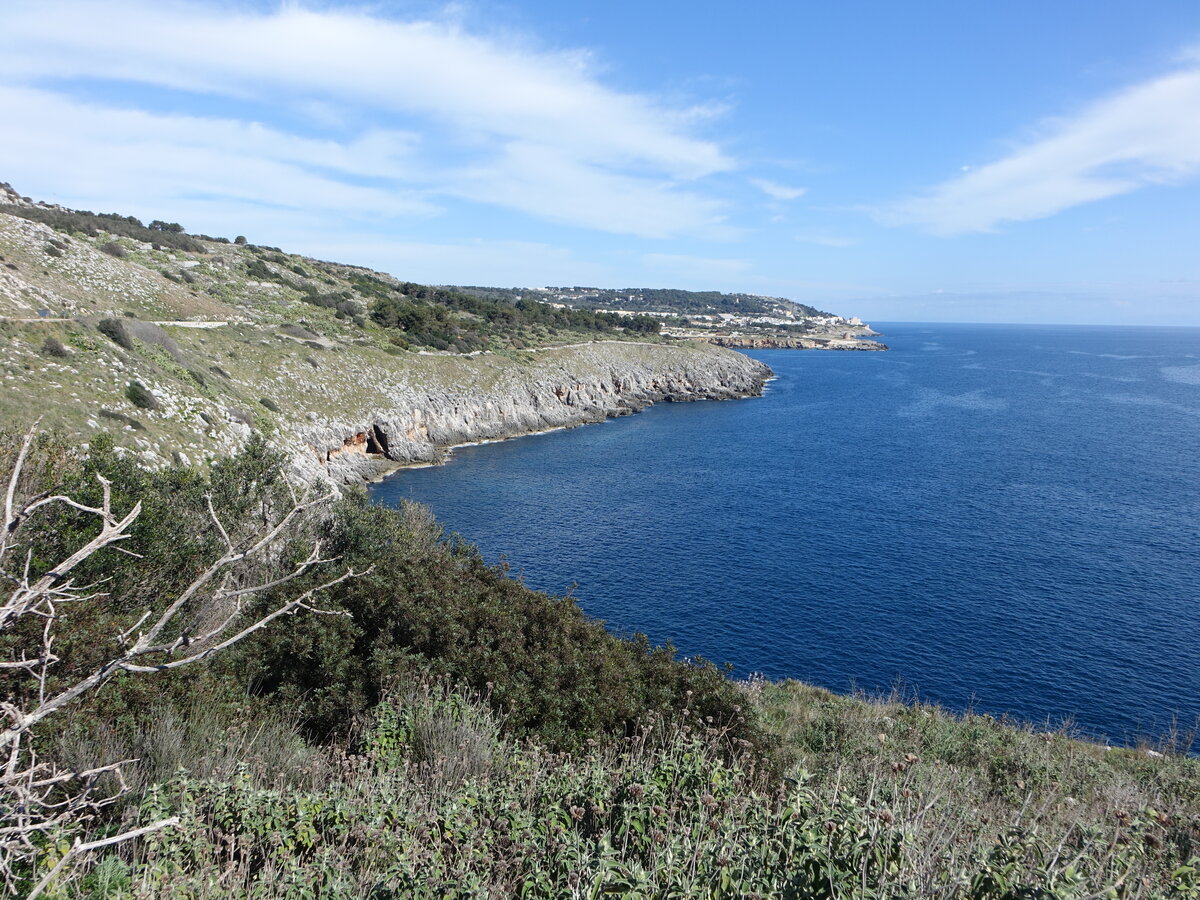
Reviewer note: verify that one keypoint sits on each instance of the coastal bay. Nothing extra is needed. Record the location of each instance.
(940, 516)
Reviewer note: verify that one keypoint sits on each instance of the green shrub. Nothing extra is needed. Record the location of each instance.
(138, 394)
(115, 330)
(52, 346)
(674, 811)
(91, 224)
(430, 603)
(269, 404)
(112, 248)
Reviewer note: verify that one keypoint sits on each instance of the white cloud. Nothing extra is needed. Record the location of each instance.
(777, 191)
(548, 183)
(488, 112)
(148, 160)
(1147, 134)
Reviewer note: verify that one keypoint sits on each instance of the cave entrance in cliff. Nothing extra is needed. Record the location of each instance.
(377, 441)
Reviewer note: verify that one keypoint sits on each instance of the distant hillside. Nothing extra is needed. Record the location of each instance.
(413, 315)
(657, 300)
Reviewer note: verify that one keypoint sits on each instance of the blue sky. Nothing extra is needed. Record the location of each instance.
(936, 161)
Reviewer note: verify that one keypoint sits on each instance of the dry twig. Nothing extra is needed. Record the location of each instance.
(36, 798)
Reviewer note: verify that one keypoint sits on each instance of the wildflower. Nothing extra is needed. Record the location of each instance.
(577, 813)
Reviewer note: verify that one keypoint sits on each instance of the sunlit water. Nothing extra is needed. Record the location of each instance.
(993, 516)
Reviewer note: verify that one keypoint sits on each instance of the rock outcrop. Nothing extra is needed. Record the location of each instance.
(747, 342)
(559, 388)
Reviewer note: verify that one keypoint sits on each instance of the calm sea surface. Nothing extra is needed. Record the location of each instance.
(1000, 517)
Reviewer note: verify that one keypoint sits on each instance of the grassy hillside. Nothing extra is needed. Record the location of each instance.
(180, 346)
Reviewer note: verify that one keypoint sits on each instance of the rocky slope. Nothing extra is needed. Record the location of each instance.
(222, 353)
(492, 399)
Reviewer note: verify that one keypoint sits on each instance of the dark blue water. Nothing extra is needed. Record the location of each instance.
(994, 516)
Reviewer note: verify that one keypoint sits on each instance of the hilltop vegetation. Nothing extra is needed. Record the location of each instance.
(415, 315)
(656, 300)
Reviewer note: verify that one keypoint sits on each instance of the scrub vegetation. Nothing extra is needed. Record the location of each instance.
(421, 724)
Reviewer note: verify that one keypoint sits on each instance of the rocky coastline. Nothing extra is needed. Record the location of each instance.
(748, 342)
(563, 388)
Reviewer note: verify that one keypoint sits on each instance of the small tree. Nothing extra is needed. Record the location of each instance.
(39, 802)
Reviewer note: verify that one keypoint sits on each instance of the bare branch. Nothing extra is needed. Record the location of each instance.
(9, 522)
(37, 798)
(217, 521)
(80, 848)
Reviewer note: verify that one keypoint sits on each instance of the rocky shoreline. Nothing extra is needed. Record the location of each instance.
(560, 389)
(745, 342)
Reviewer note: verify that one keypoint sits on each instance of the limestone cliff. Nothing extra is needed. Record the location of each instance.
(558, 388)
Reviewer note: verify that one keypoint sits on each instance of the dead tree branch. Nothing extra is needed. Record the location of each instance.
(37, 798)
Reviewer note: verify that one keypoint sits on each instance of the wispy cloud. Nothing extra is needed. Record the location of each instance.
(498, 123)
(777, 191)
(97, 153)
(549, 183)
(1148, 134)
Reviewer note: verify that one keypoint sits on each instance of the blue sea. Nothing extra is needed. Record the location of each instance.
(1003, 518)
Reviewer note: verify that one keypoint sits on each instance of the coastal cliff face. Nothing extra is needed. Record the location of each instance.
(496, 399)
